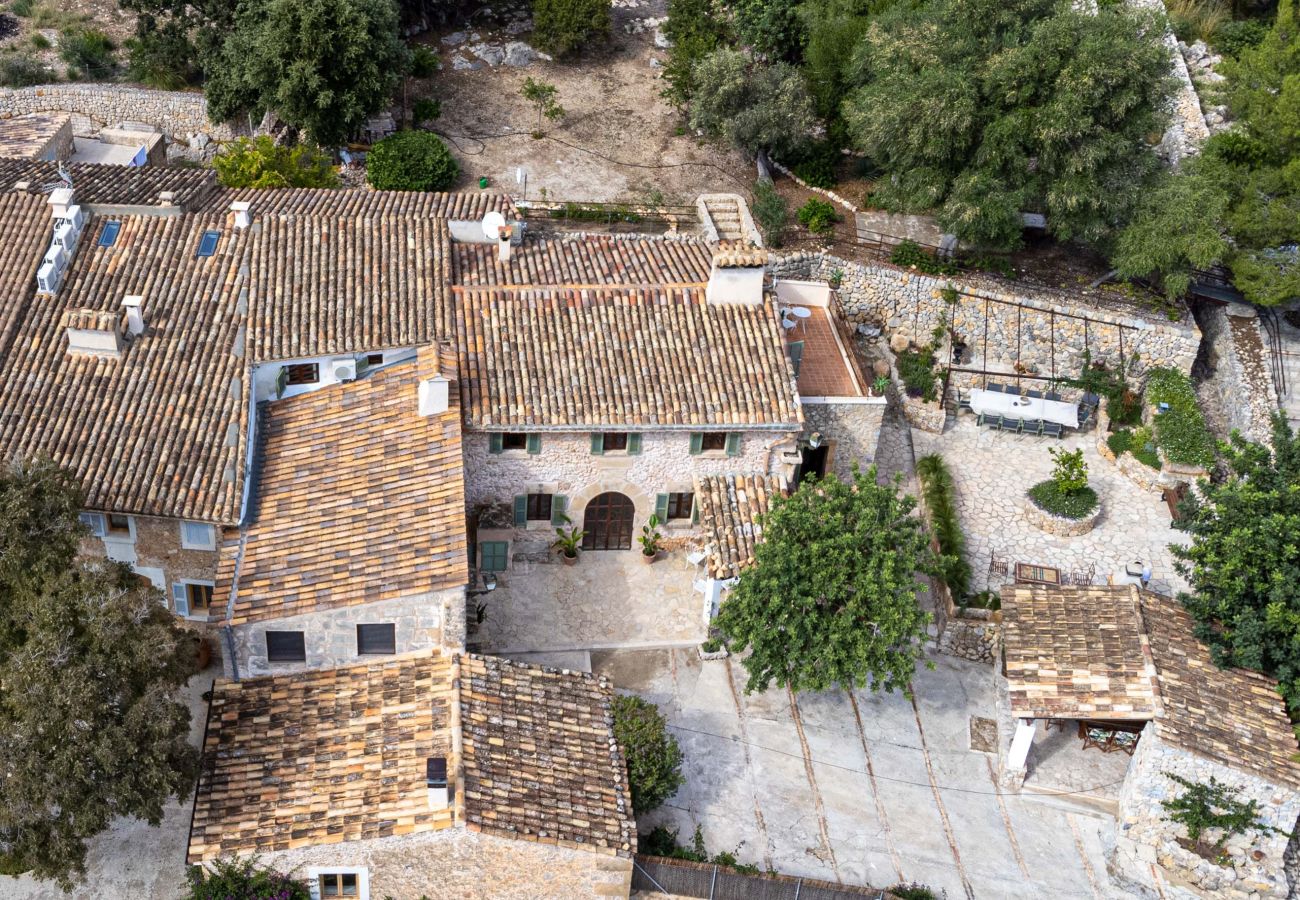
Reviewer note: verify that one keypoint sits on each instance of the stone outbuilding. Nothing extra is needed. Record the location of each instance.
(1123, 665)
(423, 775)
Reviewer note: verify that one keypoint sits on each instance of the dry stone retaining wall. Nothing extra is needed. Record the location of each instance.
(1241, 379)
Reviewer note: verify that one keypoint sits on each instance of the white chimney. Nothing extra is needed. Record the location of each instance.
(60, 199)
(240, 208)
(736, 277)
(434, 395)
(504, 248)
(134, 314)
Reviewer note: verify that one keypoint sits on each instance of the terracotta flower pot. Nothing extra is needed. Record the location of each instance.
(649, 558)
(569, 560)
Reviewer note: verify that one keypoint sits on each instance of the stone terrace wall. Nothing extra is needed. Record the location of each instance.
(1145, 837)
(1187, 129)
(1241, 380)
(181, 115)
(1020, 321)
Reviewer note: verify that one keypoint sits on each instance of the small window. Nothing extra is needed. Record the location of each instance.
(713, 440)
(374, 359)
(199, 596)
(198, 536)
(539, 507)
(339, 884)
(108, 236)
(95, 522)
(679, 505)
(512, 441)
(376, 639)
(615, 440)
(302, 373)
(493, 556)
(208, 243)
(119, 525)
(286, 646)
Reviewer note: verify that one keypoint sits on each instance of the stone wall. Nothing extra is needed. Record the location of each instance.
(181, 115)
(1187, 129)
(972, 634)
(566, 466)
(853, 430)
(1239, 373)
(1145, 837)
(1021, 321)
(422, 621)
(1059, 525)
(156, 554)
(458, 864)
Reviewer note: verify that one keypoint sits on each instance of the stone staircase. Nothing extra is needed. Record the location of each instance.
(726, 217)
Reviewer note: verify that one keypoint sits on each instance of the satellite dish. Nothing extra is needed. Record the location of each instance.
(492, 223)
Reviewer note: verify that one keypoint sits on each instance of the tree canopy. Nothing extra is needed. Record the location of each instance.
(261, 163)
(984, 109)
(654, 761)
(320, 65)
(411, 161)
(832, 596)
(90, 660)
(752, 105)
(1243, 563)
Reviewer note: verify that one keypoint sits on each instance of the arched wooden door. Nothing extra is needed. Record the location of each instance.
(608, 522)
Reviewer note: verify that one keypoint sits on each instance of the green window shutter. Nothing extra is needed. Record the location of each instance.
(661, 507)
(559, 509)
(697, 443)
(281, 381)
(521, 510)
(363, 364)
(493, 556)
(597, 443)
(634, 444)
(534, 444)
(496, 442)
(733, 443)
(695, 510)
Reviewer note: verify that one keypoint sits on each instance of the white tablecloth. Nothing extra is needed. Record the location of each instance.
(1013, 406)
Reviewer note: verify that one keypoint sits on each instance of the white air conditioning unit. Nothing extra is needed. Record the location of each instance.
(56, 256)
(74, 217)
(48, 277)
(345, 370)
(65, 236)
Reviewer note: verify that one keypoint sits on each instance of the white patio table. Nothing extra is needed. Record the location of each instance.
(1016, 407)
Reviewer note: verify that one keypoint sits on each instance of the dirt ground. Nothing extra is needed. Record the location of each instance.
(619, 140)
(47, 19)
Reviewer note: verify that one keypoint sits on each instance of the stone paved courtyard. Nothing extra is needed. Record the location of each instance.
(992, 470)
(862, 788)
(609, 599)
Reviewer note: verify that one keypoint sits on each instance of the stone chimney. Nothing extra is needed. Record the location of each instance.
(242, 218)
(134, 314)
(504, 247)
(93, 332)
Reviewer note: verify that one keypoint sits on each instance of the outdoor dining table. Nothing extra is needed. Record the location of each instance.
(1014, 406)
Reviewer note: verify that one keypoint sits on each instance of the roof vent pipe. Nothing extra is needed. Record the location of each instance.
(240, 208)
(134, 314)
(504, 247)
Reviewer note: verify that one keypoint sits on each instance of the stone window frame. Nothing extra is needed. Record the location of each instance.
(316, 873)
(390, 639)
(192, 610)
(675, 505)
(113, 533)
(188, 544)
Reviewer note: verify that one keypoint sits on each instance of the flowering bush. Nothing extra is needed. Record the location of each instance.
(243, 880)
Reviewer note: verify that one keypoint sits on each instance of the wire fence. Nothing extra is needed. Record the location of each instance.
(682, 878)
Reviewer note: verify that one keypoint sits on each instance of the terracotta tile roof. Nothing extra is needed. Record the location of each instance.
(350, 202)
(738, 255)
(21, 136)
(158, 430)
(540, 758)
(92, 319)
(100, 184)
(730, 508)
(584, 259)
(622, 357)
(358, 498)
(324, 284)
(27, 228)
(1230, 715)
(322, 757)
(1077, 652)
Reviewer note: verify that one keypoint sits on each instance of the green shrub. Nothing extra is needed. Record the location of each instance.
(916, 368)
(1215, 805)
(695, 31)
(940, 496)
(1180, 430)
(89, 51)
(260, 163)
(1069, 472)
(22, 8)
(1231, 38)
(662, 841)
(21, 70)
(411, 161)
(424, 62)
(711, 645)
(771, 212)
(1073, 505)
(164, 58)
(1197, 20)
(1120, 442)
(998, 265)
(654, 761)
(562, 27)
(40, 41)
(909, 255)
(242, 880)
(913, 891)
(426, 109)
(818, 216)
(816, 164)
(1144, 448)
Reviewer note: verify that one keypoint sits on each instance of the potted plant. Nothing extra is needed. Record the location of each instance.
(568, 540)
(879, 386)
(649, 540)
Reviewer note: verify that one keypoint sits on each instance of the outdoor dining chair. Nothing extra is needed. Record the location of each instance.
(1052, 429)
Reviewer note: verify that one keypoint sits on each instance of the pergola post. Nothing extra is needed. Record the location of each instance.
(1018, 755)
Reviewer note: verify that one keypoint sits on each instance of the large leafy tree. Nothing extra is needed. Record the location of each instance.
(832, 596)
(1243, 563)
(90, 661)
(320, 65)
(983, 109)
(752, 105)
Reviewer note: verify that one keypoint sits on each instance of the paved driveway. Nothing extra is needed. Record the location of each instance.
(862, 788)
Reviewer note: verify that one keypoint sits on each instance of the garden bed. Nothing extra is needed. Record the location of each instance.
(1061, 525)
